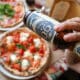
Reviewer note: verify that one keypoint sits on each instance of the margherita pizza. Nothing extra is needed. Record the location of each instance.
(11, 13)
(23, 52)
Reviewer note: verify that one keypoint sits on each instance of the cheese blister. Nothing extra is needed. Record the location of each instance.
(27, 54)
(9, 39)
(23, 36)
(13, 57)
(25, 64)
(37, 42)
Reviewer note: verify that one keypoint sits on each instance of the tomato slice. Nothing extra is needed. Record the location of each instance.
(30, 39)
(2, 51)
(16, 66)
(16, 16)
(11, 47)
(41, 52)
(32, 49)
(25, 43)
(20, 51)
(16, 38)
(7, 59)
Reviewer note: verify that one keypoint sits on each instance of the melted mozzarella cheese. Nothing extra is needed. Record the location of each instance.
(25, 63)
(27, 54)
(23, 36)
(9, 39)
(13, 57)
(37, 42)
(37, 57)
(5, 21)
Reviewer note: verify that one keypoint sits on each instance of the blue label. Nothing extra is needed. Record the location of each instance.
(45, 29)
(41, 26)
(31, 20)
(78, 50)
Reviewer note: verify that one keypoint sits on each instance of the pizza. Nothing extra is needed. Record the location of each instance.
(23, 52)
(11, 13)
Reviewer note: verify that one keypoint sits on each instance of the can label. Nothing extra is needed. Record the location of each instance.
(77, 49)
(42, 25)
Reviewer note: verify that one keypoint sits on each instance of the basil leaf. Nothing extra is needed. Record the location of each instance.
(20, 46)
(18, 61)
(6, 9)
(7, 6)
(1, 6)
(1, 12)
(9, 12)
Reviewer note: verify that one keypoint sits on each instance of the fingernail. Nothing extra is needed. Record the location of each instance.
(57, 28)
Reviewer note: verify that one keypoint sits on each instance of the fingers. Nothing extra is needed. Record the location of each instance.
(72, 37)
(68, 26)
(72, 24)
(77, 19)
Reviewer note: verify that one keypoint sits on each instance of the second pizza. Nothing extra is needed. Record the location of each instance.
(11, 13)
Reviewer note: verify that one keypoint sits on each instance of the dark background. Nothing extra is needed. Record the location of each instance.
(69, 75)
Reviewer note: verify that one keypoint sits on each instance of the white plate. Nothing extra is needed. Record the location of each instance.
(15, 27)
(8, 74)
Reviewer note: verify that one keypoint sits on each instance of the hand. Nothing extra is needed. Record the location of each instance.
(71, 24)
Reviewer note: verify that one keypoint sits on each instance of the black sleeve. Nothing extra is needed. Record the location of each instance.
(70, 75)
